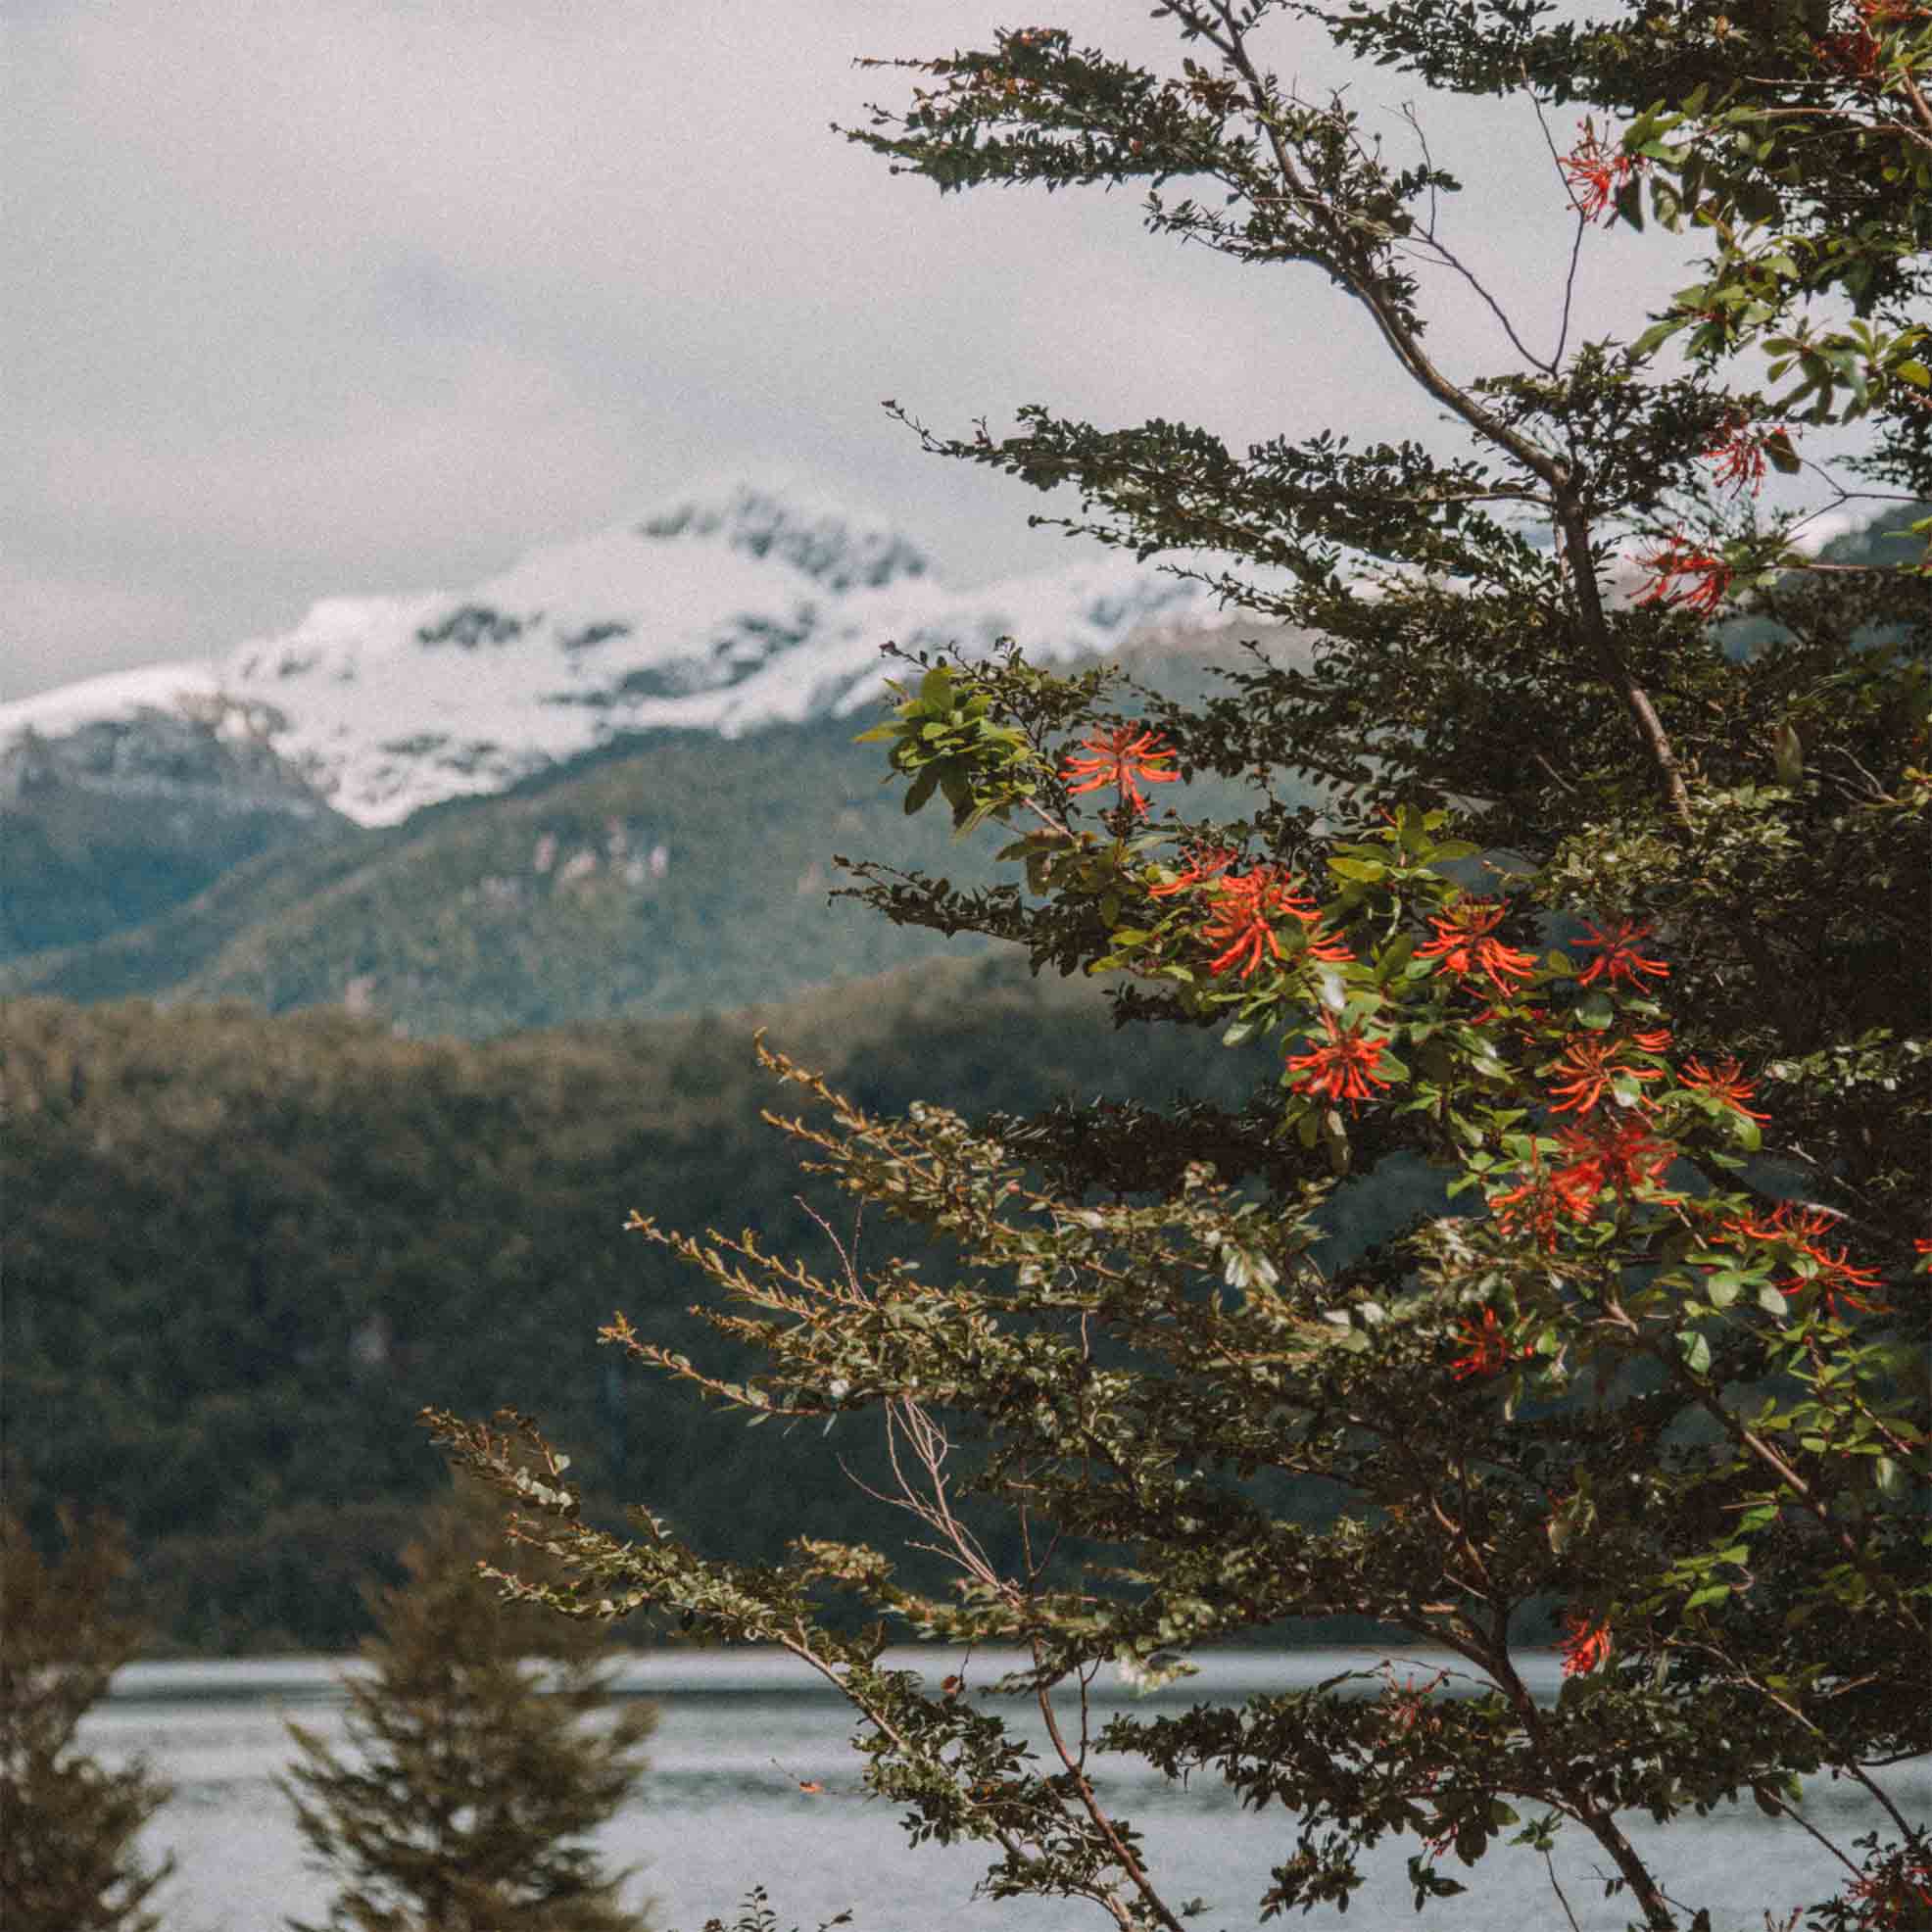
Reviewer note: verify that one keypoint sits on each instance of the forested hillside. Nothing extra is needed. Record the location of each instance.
(242, 1252)
(677, 873)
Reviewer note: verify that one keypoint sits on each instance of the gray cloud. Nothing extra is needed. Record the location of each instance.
(342, 295)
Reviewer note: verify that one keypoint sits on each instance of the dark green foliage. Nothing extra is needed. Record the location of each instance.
(69, 1857)
(241, 1253)
(481, 1749)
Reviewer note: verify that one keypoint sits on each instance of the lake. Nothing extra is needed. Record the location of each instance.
(722, 1809)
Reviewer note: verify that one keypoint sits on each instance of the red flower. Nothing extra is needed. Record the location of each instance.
(1658, 1040)
(1585, 1645)
(1739, 456)
(1488, 1343)
(1596, 172)
(1803, 1229)
(1204, 862)
(1242, 914)
(1923, 1251)
(1710, 577)
(1589, 1063)
(1123, 758)
(1897, 1894)
(1620, 961)
(1725, 1082)
(1343, 1068)
(1463, 943)
(1330, 946)
(1855, 53)
(1625, 1156)
(1532, 1206)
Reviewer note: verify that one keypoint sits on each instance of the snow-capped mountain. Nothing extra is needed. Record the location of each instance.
(728, 609)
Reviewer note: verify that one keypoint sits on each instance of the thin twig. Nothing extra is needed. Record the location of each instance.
(1551, 1865)
(1446, 256)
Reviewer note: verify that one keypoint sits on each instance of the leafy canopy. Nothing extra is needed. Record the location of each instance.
(1614, 922)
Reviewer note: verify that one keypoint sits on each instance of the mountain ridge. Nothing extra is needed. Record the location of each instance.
(727, 610)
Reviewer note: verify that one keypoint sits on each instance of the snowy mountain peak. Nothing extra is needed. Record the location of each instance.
(841, 550)
(732, 607)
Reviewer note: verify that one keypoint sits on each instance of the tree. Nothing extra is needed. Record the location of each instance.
(479, 1750)
(69, 1857)
(1616, 922)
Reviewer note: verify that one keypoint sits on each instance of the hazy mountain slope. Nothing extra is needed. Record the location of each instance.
(670, 873)
(114, 822)
(684, 874)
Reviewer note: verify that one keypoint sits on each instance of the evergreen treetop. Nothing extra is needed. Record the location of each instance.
(480, 1752)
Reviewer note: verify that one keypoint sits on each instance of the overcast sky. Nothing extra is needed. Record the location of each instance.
(309, 297)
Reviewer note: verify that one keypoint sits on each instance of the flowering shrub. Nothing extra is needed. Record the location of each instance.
(1617, 931)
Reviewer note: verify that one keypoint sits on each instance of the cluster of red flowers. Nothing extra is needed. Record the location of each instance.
(1534, 1203)
(1596, 172)
(1591, 1063)
(1487, 1347)
(1245, 907)
(1855, 53)
(1343, 1068)
(1125, 759)
(1803, 1229)
(1896, 1895)
(1682, 575)
(1622, 962)
(1585, 1645)
(1463, 945)
(1241, 916)
(1623, 1155)
(1724, 1082)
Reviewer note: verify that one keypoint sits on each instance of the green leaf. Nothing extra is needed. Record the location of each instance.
(1695, 1350)
(1394, 956)
(1723, 1288)
(1659, 333)
(1596, 1009)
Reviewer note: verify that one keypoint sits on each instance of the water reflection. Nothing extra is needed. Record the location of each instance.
(722, 1809)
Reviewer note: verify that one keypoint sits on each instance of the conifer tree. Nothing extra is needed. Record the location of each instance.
(68, 1856)
(480, 1749)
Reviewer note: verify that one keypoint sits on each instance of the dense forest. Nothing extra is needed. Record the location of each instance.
(242, 1252)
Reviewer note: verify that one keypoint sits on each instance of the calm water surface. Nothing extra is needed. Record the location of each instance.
(721, 1811)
